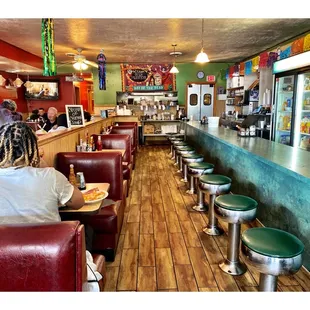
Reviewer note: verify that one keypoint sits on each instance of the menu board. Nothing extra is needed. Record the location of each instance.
(75, 115)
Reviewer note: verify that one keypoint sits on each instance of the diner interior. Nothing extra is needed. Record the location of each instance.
(191, 202)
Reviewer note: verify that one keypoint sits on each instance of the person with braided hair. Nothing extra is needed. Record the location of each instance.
(29, 194)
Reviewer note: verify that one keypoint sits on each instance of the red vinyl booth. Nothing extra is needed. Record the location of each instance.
(135, 124)
(100, 168)
(118, 142)
(44, 257)
(131, 131)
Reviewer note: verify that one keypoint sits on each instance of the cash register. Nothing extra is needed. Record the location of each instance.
(247, 127)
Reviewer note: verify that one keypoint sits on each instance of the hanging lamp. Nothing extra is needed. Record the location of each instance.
(2, 80)
(80, 66)
(174, 69)
(18, 82)
(202, 57)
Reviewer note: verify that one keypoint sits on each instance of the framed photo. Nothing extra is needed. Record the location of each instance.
(75, 116)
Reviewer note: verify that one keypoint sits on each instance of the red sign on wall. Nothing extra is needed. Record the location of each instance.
(210, 78)
(145, 77)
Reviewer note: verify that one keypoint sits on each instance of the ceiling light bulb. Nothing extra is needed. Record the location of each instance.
(80, 66)
(174, 69)
(202, 57)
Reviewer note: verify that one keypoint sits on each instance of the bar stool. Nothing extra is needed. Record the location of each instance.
(187, 159)
(174, 144)
(195, 170)
(171, 137)
(177, 147)
(186, 150)
(272, 252)
(214, 184)
(235, 210)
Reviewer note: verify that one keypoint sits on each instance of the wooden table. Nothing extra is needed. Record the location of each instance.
(88, 209)
(123, 151)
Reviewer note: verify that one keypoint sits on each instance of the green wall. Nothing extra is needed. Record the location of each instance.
(187, 73)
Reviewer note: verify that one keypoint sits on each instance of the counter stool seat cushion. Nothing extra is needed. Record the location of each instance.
(272, 242)
(202, 165)
(215, 179)
(236, 202)
(185, 148)
(192, 156)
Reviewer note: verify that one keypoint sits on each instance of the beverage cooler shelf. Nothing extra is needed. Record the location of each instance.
(304, 134)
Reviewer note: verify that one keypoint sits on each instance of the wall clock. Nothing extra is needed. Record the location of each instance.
(200, 74)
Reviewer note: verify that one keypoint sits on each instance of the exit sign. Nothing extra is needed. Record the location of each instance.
(210, 78)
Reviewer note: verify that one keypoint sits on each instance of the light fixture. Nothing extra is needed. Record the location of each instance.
(202, 57)
(80, 66)
(18, 82)
(28, 84)
(174, 69)
(2, 80)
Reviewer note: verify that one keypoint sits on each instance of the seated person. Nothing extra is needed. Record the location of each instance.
(61, 123)
(8, 112)
(34, 116)
(29, 194)
(51, 119)
(87, 116)
(42, 114)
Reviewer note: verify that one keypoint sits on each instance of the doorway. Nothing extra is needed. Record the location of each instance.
(199, 100)
(77, 96)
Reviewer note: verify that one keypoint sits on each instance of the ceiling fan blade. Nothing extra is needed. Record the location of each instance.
(62, 64)
(91, 63)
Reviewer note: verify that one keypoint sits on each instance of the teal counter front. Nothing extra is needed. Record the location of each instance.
(277, 176)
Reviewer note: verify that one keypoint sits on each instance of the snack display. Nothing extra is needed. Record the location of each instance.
(94, 195)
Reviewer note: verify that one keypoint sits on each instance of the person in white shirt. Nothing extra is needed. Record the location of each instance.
(29, 194)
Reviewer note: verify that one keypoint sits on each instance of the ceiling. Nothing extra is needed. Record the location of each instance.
(149, 40)
(13, 66)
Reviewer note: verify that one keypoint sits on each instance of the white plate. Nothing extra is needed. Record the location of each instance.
(96, 200)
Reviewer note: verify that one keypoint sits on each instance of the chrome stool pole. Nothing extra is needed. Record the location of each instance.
(187, 159)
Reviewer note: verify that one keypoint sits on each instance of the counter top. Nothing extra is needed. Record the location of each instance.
(291, 160)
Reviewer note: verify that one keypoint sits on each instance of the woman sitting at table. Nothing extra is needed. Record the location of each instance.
(29, 194)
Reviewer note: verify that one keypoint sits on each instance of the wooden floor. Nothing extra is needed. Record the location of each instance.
(162, 246)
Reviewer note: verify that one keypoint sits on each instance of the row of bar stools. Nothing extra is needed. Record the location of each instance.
(180, 151)
(171, 140)
(195, 170)
(177, 143)
(213, 184)
(235, 210)
(187, 159)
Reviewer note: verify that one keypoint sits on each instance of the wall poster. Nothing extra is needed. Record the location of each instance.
(146, 77)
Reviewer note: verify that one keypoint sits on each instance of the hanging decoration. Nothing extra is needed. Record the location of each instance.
(297, 46)
(263, 59)
(231, 71)
(307, 43)
(236, 70)
(102, 70)
(241, 68)
(28, 84)
(255, 62)
(2, 80)
(47, 34)
(227, 73)
(272, 57)
(248, 67)
(285, 53)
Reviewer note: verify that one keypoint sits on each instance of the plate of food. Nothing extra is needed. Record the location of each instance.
(94, 195)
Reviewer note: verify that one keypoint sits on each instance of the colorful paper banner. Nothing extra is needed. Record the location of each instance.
(272, 57)
(263, 59)
(255, 62)
(286, 53)
(307, 43)
(248, 67)
(297, 46)
(241, 68)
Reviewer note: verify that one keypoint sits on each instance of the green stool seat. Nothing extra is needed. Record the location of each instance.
(202, 165)
(192, 156)
(215, 179)
(185, 148)
(272, 242)
(235, 202)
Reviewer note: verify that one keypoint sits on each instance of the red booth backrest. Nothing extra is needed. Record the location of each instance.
(98, 167)
(43, 257)
(126, 130)
(116, 142)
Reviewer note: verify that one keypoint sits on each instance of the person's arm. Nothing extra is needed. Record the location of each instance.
(76, 201)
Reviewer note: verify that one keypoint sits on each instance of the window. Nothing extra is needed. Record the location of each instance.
(193, 99)
(207, 99)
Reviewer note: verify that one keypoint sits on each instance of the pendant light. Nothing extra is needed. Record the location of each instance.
(28, 84)
(2, 80)
(80, 66)
(174, 69)
(18, 82)
(202, 57)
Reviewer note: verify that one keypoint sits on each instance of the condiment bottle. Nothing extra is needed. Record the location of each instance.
(92, 145)
(99, 144)
(72, 178)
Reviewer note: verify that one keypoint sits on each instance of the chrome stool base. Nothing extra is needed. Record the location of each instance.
(267, 283)
(200, 208)
(213, 230)
(184, 180)
(190, 191)
(233, 268)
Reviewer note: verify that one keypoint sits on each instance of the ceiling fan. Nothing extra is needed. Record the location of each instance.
(80, 62)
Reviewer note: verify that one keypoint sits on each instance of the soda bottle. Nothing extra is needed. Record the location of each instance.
(72, 178)
(99, 144)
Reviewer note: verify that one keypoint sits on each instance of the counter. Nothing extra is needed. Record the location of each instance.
(276, 175)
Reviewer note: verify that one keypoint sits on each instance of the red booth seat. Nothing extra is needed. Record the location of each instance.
(100, 168)
(44, 257)
(118, 142)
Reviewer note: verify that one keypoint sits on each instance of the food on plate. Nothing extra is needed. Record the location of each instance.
(93, 194)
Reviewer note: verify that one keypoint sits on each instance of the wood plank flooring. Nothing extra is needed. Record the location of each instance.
(162, 246)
